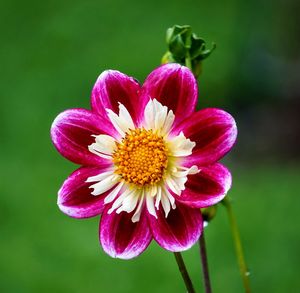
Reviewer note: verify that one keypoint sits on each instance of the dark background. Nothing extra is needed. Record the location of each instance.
(51, 53)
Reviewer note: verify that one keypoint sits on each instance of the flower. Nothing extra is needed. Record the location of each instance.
(149, 161)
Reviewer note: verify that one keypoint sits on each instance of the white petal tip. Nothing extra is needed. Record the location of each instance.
(135, 219)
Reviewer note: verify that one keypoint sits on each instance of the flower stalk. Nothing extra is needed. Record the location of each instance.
(204, 262)
(188, 63)
(184, 273)
(202, 246)
(186, 48)
(238, 245)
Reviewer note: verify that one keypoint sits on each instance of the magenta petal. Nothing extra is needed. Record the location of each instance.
(113, 87)
(71, 134)
(74, 197)
(174, 86)
(214, 132)
(180, 230)
(120, 237)
(206, 188)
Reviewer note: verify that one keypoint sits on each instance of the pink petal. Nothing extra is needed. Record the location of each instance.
(207, 187)
(72, 131)
(180, 230)
(214, 132)
(120, 237)
(113, 87)
(174, 86)
(74, 197)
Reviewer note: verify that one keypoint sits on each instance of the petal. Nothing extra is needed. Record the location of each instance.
(158, 118)
(180, 230)
(172, 184)
(207, 187)
(113, 194)
(105, 184)
(129, 204)
(214, 132)
(104, 146)
(127, 201)
(113, 87)
(126, 192)
(150, 205)
(122, 122)
(120, 237)
(180, 146)
(72, 132)
(137, 215)
(75, 198)
(173, 86)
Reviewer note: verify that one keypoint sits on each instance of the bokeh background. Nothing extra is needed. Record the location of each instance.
(51, 53)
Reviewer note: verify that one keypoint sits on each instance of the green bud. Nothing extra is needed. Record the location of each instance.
(186, 48)
(197, 46)
(179, 41)
(198, 49)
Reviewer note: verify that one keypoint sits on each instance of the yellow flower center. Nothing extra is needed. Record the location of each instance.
(141, 157)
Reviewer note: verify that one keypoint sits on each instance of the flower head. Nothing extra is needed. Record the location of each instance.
(149, 161)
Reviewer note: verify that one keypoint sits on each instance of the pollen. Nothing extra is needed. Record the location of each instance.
(141, 157)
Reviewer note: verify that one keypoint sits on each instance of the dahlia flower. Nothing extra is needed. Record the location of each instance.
(149, 161)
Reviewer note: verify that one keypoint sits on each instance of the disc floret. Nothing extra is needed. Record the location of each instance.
(141, 157)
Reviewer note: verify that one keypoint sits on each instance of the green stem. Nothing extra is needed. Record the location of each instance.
(184, 273)
(188, 61)
(205, 271)
(238, 245)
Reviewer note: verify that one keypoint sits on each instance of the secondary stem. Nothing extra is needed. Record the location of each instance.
(238, 245)
(184, 273)
(203, 254)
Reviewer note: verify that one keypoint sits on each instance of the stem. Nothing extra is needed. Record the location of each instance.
(203, 254)
(238, 245)
(188, 62)
(185, 275)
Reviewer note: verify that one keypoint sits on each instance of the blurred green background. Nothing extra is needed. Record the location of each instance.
(51, 53)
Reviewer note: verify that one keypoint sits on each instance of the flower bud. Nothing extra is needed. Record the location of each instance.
(186, 48)
(179, 41)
